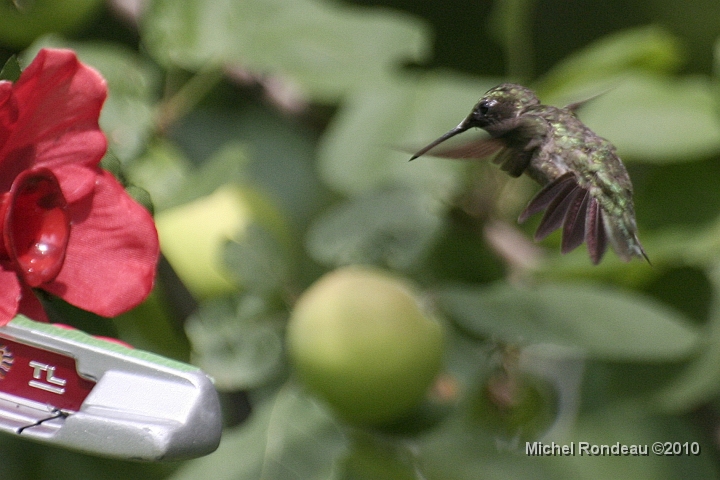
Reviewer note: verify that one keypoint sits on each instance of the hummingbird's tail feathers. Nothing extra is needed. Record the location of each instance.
(545, 196)
(570, 206)
(583, 219)
(624, 239)
(575, 227)
(557, 212)
(642, 251)
(595, 232)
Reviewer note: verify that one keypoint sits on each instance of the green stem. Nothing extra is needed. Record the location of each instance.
(511, 22)
(187, 97)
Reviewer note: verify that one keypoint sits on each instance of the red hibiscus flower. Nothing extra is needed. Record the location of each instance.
(67, 226)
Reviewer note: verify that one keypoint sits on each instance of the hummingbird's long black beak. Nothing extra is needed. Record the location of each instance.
(464, 125)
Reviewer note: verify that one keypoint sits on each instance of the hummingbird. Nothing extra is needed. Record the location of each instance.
(586, 189)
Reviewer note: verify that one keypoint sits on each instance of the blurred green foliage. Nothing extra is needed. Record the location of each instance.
(314, 104)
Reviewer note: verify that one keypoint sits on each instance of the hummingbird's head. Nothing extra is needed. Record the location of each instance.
(501, 103)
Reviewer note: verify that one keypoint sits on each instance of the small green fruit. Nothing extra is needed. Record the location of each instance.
(359, 340)
(193, 235)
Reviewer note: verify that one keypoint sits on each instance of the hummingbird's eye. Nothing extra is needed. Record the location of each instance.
(484, 112)
(484, 107)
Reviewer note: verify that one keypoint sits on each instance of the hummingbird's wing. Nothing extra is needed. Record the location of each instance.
(522, 136)
(513, 149)
(512, 161)
(575, 106)
(475, 150)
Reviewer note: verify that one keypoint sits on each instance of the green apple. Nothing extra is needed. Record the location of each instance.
(359, 339)
(22, 21)
(193, 235)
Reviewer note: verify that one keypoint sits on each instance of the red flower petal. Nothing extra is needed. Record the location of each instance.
(59, 101)
(112, 253)
(8, 110)
(9, 296)
(76, 181)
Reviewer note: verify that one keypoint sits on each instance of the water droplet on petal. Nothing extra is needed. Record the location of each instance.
(36, 227)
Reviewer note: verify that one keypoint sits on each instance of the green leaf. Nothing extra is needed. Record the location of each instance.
(648, 115)
(161, 170)
(376, 458)
(226, 166)
(392, 228)
(716, 58)
(240, 346)
(127, 116)
(258, 260)
(459, 449)
(597, 66)
(280, 149)
(657, 119)
(287, 437)
(605, 323)
(141, 196)
(671, 247)
(112, 164)
(619, 425)
(327, 49)
(11, 70)
(511, 24)
(369, 142)
(151, 326)
(701, 380)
